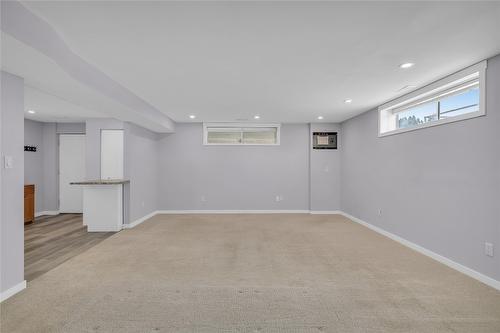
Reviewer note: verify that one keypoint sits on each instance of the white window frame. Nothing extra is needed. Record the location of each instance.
(240, 126)
(432, 90)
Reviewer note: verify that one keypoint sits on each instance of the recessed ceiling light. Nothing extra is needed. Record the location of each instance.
(256, 117)
(192, 116)
(320, 117)
(31, 111)
(348, 101)
(406, 65)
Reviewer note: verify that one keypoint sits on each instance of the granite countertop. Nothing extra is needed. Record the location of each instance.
(101, 182)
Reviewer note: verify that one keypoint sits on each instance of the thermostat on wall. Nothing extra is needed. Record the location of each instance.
(324, 140)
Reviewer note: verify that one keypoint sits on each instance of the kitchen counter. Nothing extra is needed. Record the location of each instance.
(102, 204)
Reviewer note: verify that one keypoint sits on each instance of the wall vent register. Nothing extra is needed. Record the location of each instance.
(241, 134)
(457, 97)
(324, 140)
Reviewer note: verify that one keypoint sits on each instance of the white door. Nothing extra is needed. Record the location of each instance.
(71, 169)
(111, 154)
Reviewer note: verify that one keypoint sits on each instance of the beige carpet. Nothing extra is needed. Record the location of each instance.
(252, 273)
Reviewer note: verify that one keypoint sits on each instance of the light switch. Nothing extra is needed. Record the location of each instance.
(8, 162)
(488, 249)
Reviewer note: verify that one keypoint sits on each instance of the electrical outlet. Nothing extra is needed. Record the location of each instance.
(379, 212)
(488, 249)
(279, 198)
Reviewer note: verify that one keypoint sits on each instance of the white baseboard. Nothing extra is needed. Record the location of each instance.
(47, 212)
(12, 291)
(104, 229)
(139, 221)
(446, 261)
(292, 211)
(229, 211)
(325, 212)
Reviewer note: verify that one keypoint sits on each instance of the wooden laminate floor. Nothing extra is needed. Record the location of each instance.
(51, 240)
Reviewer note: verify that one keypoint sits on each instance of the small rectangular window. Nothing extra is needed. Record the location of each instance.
(457, 97)
(226, 136)
(241, 134)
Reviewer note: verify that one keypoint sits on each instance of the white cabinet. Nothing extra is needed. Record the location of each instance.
(103, 207)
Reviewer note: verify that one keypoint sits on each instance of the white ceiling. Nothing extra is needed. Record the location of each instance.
(50, 108)
(53, 94)
(48, 89)
(286, 61)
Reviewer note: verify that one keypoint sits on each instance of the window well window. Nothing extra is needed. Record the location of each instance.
(241, 134)
(457, 97)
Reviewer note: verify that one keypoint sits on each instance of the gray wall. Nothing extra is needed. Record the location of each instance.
(325, 172)
(93, 144)
(234, 178)
(50, 168)
(141, 167)
(70, 128)
(141, 163)
(33, 161)
(12, 182)
(437, 187)
(93, 129)
(177, 172)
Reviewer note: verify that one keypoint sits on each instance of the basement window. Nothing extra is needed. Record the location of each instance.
(241, 134)
(457, 97)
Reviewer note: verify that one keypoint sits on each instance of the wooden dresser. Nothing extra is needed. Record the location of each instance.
(29, 203)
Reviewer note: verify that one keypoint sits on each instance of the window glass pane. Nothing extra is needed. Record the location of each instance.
(236, 135)
(229, 137)
(417, 115)
(451, 99)
(461, 103)
(259, 135)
